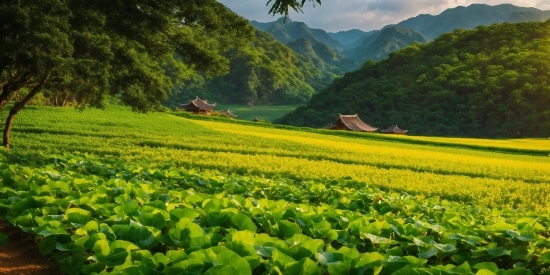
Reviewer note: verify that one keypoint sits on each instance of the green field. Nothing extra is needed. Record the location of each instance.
(266, 113)
(120, 192)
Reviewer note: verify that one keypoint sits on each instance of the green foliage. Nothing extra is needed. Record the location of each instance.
(263, 72)
(378, 232)
(491, 81)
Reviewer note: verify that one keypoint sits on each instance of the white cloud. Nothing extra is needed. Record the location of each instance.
(336, 15)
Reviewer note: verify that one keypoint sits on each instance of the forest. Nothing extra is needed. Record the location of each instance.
(490, 81)
(263, 72)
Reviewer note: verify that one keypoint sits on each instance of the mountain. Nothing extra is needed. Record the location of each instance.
(381, 43)
(288, 31)
(322, 56)
(470, 17)
(347, 38)
(490, 82)
(264, 73)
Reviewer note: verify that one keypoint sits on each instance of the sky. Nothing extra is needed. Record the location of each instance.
(366, 15)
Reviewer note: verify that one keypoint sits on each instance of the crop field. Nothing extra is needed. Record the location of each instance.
(267, 113)
(116, 192)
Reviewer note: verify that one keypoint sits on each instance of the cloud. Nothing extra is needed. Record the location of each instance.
(337, 15)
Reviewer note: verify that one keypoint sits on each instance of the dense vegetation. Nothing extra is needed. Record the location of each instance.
(118, 192)
(491, 81)
(263, 72)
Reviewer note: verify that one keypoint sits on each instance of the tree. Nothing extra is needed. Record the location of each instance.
(135, 50)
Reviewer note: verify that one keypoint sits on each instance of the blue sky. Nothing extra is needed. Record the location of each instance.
(337, 15)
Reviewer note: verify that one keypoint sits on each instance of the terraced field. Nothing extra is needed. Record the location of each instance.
(119, 192)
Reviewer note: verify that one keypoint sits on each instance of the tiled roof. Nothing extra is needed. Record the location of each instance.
(352, 122)
(394, 130)
(198, 103)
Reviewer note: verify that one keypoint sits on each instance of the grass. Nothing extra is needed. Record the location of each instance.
(267, 113)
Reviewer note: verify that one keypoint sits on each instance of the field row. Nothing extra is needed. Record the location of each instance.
(99, 216)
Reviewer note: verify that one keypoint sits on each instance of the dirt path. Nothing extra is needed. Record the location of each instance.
(21, 256)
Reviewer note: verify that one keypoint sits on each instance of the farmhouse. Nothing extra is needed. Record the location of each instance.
(228, 114)
(198, 106)
(351, 123)
(394, 130)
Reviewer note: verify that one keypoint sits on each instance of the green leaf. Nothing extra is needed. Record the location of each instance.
(231, 258)
(77, 217)
(46, 245)
(141, 236)
(113, 260)
(488, 266)
(180, 213)
(342, 268)
(4, 239)
(52, 228)
(102, 247)
(327, 258)
(154, 220)
(241, 248)
(264, 251)
(288, 229)
(303, 267)
(428, 253)
(485, 272)
(222, 270)
(280, 259)
(189, 267)
(243, 222)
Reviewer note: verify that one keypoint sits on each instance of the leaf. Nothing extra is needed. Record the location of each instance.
(231, 258)
(243, 222)
(77, 217)
(154, 220)
(288, 229)
(488, 266)
(485, 272)
(102, 247)
(52, 228)
(264, 251)
(3, 239)
(328, 258)
(428, 253)
(189, 267)
(141, 236)
(342, 268)
(179, 213)
(46, 245)
(280, 259)
(303, 267)
(222, 270)
(241, 248)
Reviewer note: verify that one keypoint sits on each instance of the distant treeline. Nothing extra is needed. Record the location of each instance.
(491, 81)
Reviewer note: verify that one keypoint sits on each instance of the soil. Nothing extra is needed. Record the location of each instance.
(22, 257)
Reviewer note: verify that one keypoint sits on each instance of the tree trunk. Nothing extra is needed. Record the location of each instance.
(18, 106)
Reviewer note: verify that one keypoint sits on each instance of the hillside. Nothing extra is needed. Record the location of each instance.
(491, 81)
(287, 31)
(323, 57)
(266, 72)
(470, 17)
(381, 43)
(348, 37)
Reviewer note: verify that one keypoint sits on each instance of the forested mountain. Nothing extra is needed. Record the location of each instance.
(380, 44)
(323, 57)
(347, 38)
(265, 72)
(470, 17)
(491, 81)
(287, 31)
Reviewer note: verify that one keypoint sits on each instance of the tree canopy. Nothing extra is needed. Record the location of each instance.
(491, 81)
(136, 50)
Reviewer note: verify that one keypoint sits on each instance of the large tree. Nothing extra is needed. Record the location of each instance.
(135, 50)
